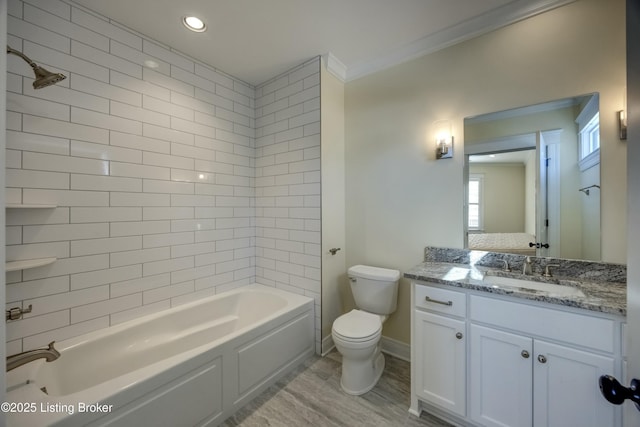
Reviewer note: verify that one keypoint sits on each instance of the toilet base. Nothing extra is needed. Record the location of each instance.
(359, 377)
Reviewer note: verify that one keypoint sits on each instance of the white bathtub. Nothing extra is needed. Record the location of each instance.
(194, 364)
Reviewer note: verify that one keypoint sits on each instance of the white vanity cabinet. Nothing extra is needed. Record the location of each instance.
(500, 380)
(440, 375)
(565, 387)
(526, 364)
(521, 382)
(439, 349)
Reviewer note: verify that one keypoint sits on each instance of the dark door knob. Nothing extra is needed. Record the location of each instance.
(616, 393)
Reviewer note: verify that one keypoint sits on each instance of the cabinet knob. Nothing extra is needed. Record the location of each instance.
(525, 354)
(459, 335)
(542, 359)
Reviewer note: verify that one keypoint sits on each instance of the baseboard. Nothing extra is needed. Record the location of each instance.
(390, 346)
(327, 345)
(396, 348)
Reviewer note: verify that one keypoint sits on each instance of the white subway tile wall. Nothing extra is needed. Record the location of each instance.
(287, 183)
(170, 184)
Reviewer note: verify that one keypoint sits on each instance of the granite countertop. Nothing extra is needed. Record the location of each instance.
(600, 296)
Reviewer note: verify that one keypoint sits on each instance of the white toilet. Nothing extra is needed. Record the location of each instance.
(357, 334)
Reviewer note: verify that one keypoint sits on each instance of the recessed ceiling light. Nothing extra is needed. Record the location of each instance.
(194, 24)
(151, 63)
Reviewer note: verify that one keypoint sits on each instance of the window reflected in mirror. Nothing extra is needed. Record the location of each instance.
(476, 204)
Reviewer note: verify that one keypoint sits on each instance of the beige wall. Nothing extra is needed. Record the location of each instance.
(530, 193)
(333, 199)
(400, 199)
(504, 196)
(590, 208)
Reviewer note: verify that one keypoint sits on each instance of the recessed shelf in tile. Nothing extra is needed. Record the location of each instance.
(28, 263)
(28, 206)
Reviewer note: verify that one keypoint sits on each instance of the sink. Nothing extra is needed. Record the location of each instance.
(526, 285)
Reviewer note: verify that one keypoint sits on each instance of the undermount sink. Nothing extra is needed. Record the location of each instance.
(532, 286)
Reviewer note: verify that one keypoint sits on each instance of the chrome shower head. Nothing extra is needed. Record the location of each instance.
(44, 78)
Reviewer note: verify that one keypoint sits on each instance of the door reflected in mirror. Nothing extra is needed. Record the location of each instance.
(532, 180)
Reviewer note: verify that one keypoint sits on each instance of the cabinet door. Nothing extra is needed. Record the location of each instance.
(500, 372)
(440, 361)
(566, 391)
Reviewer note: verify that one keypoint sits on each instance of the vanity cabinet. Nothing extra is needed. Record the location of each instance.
(518, 364)
(441, 352)
(522, 382)
(500, 378)
(439, 349)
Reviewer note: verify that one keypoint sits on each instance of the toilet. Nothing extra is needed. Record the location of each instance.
(357, 334)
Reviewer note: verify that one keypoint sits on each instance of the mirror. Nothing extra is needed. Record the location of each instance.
(532, 180)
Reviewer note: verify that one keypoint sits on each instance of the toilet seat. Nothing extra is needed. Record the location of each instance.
(357, 326)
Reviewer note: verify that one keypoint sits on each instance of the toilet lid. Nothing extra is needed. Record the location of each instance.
(357, 325)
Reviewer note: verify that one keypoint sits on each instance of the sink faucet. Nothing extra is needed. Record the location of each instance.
(526, 266)
(547, 271)
(17, 360)
(505, 265)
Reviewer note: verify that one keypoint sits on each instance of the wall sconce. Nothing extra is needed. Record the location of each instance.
(444, 139)
(622, 124)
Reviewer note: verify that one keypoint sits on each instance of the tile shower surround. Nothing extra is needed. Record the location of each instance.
(170, 183)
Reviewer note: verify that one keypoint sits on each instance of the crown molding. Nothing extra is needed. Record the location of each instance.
(466, 30)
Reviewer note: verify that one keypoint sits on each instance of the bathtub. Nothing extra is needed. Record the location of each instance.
(192, 365)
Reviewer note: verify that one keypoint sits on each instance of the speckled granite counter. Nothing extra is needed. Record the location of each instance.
(603, 284)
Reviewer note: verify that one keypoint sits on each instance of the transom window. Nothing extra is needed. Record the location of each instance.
(589, 135)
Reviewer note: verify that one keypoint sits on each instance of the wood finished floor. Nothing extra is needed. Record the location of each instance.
(311, 396)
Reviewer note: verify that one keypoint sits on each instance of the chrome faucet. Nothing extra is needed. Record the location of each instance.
(547, 271)
(526, 266)
(17, 360)
(505, 265)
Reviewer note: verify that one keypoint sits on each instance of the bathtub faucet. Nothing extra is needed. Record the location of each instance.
(17, 360)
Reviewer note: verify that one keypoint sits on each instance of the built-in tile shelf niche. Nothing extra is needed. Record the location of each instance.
(28, 263)
(21, 206)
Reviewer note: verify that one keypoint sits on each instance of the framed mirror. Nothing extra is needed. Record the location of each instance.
(532, 180)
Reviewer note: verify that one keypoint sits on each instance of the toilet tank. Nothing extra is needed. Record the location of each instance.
(374, 289)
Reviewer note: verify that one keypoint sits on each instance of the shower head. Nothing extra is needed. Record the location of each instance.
(44, 78)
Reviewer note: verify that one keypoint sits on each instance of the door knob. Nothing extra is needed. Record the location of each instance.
(525, 354)
(616, 393)
(542, 358)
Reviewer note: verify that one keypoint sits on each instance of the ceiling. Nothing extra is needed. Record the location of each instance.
(256, 40)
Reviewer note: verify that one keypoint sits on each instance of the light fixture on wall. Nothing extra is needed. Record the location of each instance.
(444, 139)
(194, 23)
(622, 124)
(622, 117)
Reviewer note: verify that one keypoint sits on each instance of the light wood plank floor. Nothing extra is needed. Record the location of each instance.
(311, 396)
